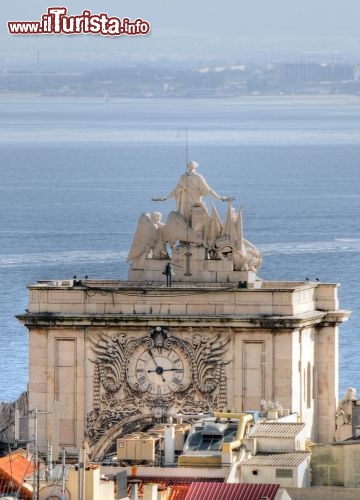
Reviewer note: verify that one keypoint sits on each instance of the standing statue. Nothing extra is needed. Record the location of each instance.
(344, 409)
(189, 191)
(343, 416)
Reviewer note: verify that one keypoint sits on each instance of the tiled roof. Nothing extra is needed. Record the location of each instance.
(170, 480)
(231, 491)
(178, 492)
(174, 482)
(292, 459)
(13, 470)
(276, 430)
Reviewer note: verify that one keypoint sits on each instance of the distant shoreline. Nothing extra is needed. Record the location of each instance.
(245, 97)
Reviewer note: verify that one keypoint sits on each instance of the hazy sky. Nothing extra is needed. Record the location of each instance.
(205, 27)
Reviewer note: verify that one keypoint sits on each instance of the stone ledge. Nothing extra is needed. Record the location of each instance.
(224, 320)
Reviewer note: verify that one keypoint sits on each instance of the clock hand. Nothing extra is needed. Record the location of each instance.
(159, 370)
(152, 356)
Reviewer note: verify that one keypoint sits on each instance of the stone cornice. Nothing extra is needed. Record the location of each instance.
(318, 318)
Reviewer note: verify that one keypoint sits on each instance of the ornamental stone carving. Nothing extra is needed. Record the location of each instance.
(199, 246)
(153, 374)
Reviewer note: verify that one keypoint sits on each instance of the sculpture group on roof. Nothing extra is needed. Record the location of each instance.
(193, 225)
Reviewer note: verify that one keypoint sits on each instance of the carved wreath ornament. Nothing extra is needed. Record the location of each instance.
(134, 376)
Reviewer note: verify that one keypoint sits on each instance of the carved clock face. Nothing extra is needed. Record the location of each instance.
(159, 370)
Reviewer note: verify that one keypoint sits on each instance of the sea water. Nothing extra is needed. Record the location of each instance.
(76, 173)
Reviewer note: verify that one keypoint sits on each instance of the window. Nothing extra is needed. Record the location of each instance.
(284, 473)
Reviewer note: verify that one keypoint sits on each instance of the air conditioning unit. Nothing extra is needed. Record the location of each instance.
(63, 283)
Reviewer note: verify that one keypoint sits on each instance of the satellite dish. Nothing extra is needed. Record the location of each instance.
(53, 492)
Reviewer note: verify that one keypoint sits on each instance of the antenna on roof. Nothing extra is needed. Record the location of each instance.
(187, 252)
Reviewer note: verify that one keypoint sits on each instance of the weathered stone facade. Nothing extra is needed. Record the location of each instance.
(235, 346)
